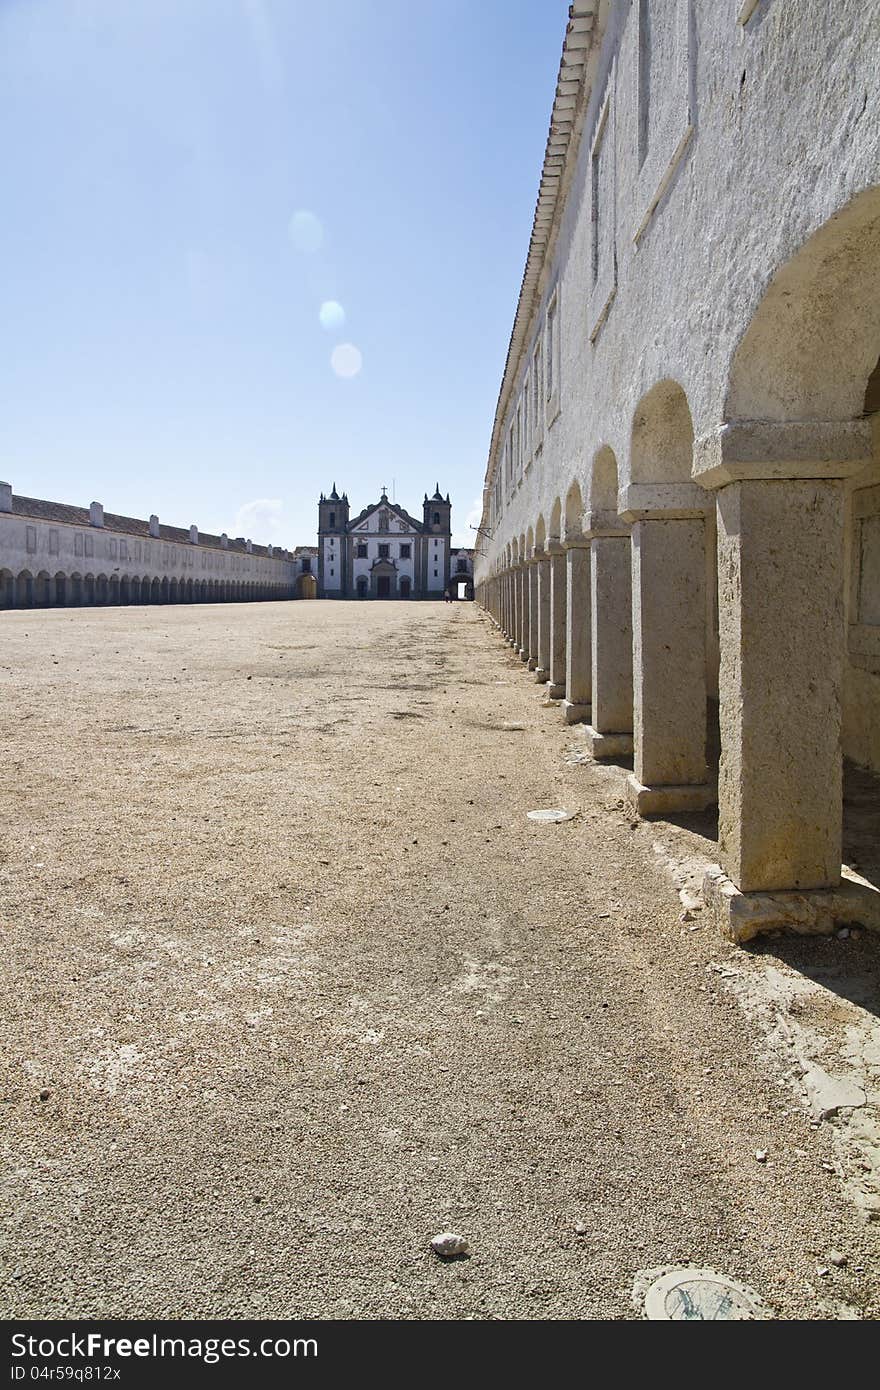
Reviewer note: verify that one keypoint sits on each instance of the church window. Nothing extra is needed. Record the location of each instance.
(405, 552)
(384, 552)
(90, 545)
(77, 545)
(436, 518)
(53, 542)
(435, 574)
(362, 550)
(31, 539)
(332, 572)
(383, 520)
(332, 518)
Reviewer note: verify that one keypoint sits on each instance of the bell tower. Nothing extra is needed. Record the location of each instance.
(332, 514)
(436, 529)
(332, 544)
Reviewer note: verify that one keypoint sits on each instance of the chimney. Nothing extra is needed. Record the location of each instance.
(96, 514)
(194, 535)
(154, 525)
(248, 547)
(270, 551)
(224, 541)
(5, 497)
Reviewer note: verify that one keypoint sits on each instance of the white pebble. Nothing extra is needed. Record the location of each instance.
(447, 1245)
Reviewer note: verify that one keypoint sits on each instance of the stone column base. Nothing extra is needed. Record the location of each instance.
(523, 654)
(574, 714)
(815, 912)
(542, 675)
(657, 801)
(609, 745)
(555, 692)
(532, 663)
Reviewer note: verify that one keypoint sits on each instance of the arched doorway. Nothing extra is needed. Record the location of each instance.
(383, 580)
(24, 590)
(363, 586)
(307, 586)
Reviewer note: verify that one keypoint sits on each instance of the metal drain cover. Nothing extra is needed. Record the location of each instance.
(553, 815)
(696, 1295)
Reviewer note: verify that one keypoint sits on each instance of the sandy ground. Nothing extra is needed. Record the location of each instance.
(291, 984)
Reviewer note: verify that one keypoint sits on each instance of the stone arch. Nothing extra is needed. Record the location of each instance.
(173, 591)
(76, 589)
(164, 589)
(60, 587)
(24, 589)
(529, 542)
(125, 589)
(797, 471)
(89, 589)
(603, 481)
(812, 342)
(555, 533)
(540, 533)
(662, 442)
(134, 590)
(574, 511)
(7, 589)
(113, 589)
(101, 589)
(42, 590)
(156, 594)
(307, 586)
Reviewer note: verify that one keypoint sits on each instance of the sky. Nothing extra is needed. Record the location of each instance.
(250, 248)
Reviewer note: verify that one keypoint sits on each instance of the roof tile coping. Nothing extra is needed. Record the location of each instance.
(42, 510)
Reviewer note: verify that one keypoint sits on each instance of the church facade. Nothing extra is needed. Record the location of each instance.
(383, 552)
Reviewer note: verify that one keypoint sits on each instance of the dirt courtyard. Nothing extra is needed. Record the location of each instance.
(291, 984)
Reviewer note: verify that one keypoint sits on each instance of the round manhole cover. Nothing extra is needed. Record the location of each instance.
(554, 815)
(700, 1295)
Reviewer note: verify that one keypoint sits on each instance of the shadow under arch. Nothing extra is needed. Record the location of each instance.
(662, 441)
(812, 342)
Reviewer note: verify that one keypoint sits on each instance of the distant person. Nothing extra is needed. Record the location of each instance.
(447, 595)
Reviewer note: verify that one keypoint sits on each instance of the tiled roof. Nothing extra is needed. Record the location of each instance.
(42, 510)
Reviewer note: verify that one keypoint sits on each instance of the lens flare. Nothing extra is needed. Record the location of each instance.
(346, 360)
(331, 314)
(305, 231)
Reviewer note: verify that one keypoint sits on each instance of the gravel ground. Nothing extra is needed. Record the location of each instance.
(291, 984)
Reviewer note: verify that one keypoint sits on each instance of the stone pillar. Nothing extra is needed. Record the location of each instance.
(611, 724)
(556, 689)
(669, 647)
(780, 513)
(532, 600)
(780, 552)
(578, 636)
(542, 670)
(523, 580)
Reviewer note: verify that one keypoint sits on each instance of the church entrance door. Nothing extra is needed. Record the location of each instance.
(383, 586)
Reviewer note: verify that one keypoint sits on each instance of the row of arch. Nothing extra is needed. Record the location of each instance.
(722, 593)
(60, 590)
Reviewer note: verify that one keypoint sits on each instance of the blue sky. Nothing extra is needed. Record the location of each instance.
(186, 183)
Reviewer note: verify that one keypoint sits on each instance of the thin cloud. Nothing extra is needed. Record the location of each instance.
(464, 537)
(261, 520)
